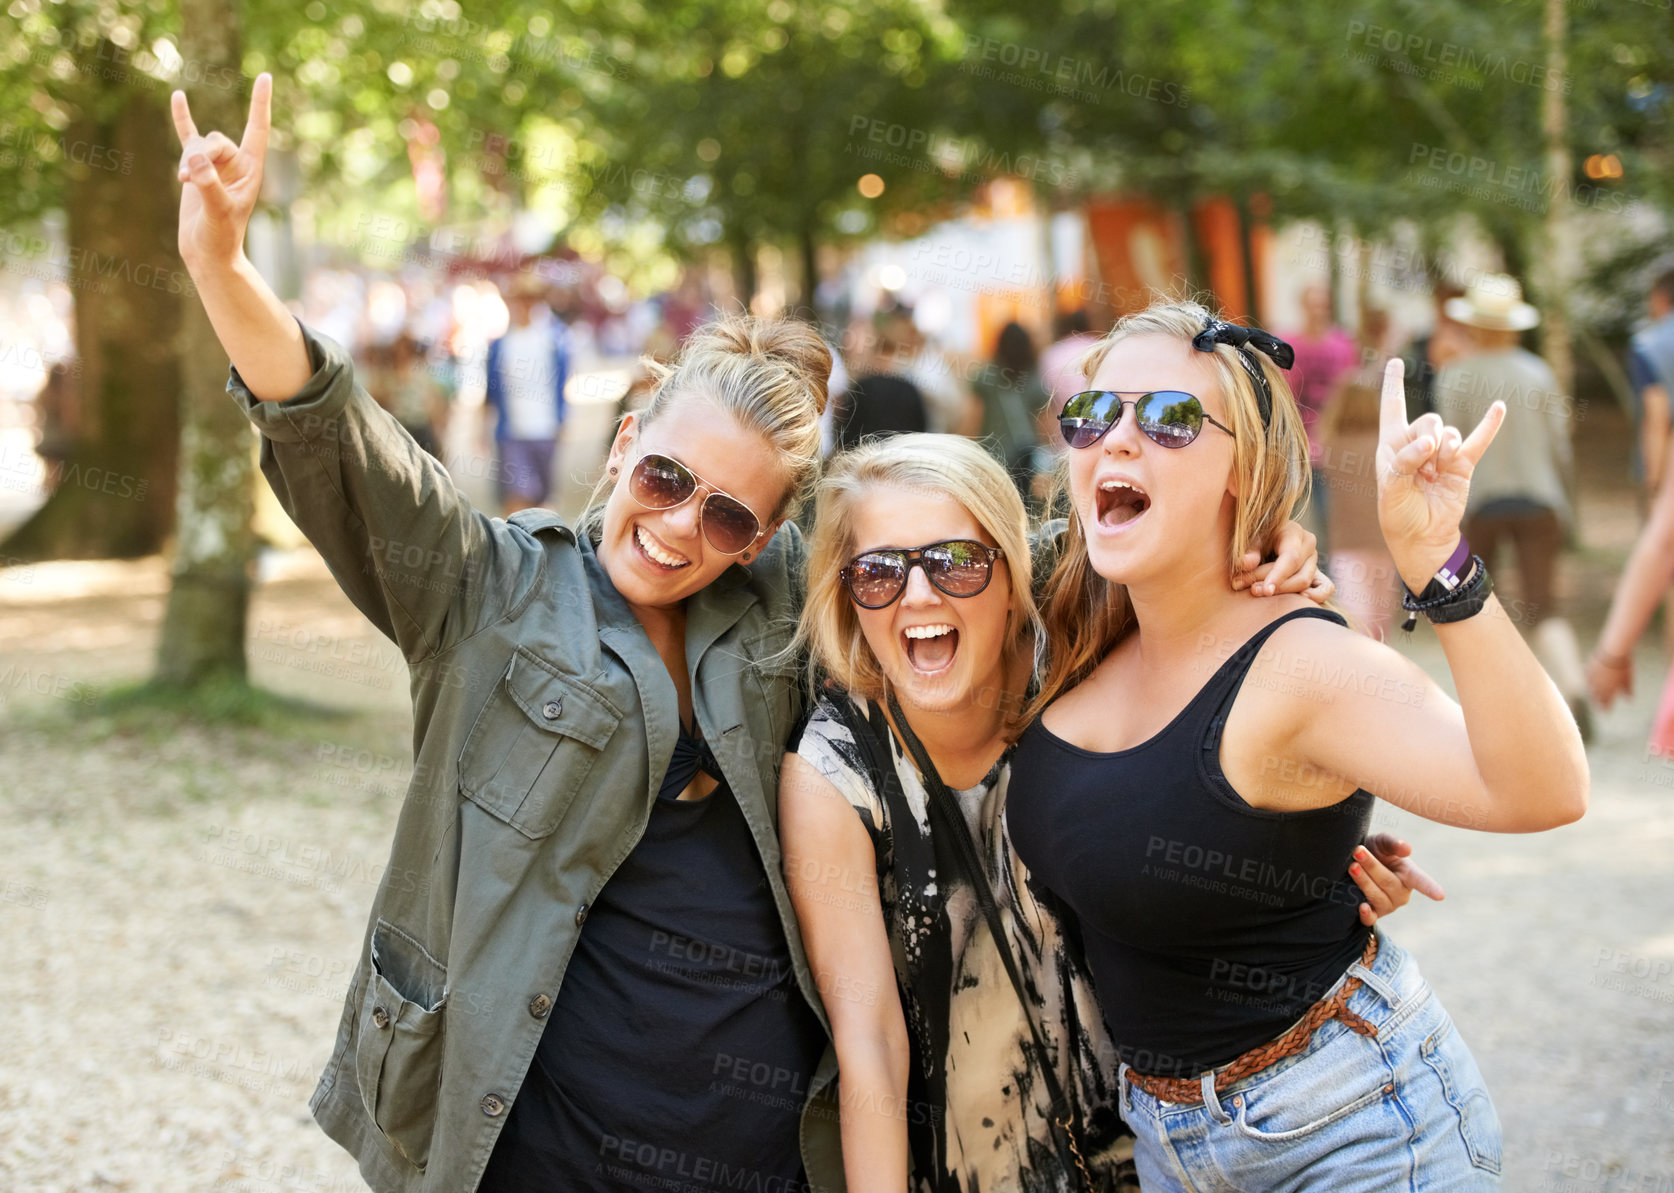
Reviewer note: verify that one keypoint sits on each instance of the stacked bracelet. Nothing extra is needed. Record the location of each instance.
(1442, 603)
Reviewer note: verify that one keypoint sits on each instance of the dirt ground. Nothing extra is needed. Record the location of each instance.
(182, 906)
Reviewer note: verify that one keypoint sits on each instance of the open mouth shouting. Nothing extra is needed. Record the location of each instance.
(657, 555)
(1120, 503)
(931, 648)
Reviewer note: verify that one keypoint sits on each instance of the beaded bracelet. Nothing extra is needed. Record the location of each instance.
(1464, 601)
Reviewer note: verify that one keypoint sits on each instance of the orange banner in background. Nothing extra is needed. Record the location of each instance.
(1218, 236)
(1140, 249)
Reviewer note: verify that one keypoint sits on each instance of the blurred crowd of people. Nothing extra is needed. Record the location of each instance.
(477, 371)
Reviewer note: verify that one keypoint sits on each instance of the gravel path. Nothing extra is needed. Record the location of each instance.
(181, 908)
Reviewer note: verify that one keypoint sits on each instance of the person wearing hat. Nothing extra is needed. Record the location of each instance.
(527, 369)
(1518, 492)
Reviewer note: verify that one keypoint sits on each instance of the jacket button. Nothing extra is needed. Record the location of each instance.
(539, 1006)
(493, 1105)
(552, 709)
(380, 1017)
(581, 915)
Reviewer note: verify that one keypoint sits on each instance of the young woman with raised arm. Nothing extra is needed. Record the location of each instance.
(1202, 762)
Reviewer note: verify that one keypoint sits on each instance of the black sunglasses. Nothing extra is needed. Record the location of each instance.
(660, 483)
(959, 567)
(1169, 417)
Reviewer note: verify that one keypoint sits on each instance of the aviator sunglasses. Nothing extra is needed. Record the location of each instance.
(660, 483)
(959, 567)
(1169, 417)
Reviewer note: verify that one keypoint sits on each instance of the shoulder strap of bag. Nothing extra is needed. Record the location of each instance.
(946, 809)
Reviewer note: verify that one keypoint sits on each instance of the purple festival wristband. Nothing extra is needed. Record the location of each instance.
(1448, 573)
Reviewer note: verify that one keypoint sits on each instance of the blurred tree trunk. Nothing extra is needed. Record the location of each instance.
(113, 495)
(807, 244)
(209, 601)
(1557, 247)
(744, 276)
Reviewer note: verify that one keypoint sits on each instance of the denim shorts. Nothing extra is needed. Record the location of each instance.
(1405, 1109)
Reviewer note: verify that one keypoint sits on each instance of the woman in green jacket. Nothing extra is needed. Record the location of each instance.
(599, 717)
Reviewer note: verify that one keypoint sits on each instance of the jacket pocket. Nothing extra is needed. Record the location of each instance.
(398, 1048)
(534, 744)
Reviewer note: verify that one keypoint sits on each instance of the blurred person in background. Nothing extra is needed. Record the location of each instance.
(1009, 388)
(1324, 352)
(1073, 333)
(1429, 352)
(57, 420)
(948, 404)
(1518, 497)
(1651, 365)
(402, 383)
(527, 369)
(1645, 580)
(883, 401)
(1360, 560)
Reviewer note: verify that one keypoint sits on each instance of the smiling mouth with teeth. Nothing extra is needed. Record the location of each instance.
(1120, 503)
(663, 559)
(931, 648)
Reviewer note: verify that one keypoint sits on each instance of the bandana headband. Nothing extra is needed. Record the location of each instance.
(1219, 331)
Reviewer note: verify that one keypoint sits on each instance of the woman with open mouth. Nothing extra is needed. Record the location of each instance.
(965, 1027)
(1200, 763)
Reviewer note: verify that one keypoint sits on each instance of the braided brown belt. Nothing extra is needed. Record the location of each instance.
(1188, 1091)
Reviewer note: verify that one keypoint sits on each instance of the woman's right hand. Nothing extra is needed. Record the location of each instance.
(220, 181)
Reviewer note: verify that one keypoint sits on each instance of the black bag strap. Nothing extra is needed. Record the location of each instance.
(914, 862)
(945, 808)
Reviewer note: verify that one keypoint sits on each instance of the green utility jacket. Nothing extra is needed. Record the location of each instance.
(543, 722)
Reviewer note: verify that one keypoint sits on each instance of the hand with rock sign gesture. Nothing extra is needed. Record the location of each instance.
(220, 183)
(1424, 476)
(219, 180)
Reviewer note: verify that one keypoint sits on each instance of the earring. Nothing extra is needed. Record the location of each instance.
(613, 470)
(745, 557)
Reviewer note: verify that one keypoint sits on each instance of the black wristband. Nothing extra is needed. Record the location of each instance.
(1463, 602)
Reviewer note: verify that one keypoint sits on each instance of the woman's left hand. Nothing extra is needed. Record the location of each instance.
(1295, 567)
(1424, 476)
(1384, 871)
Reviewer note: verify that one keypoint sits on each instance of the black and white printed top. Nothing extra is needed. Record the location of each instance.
(978, 1108)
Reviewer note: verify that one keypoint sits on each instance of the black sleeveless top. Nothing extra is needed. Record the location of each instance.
(679, 1051)
(1210, 926)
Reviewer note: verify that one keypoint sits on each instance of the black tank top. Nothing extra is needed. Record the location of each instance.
(1210, 926)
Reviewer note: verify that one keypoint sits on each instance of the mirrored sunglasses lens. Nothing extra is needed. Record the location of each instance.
(729, 525)
(1085, 417)
(659, 482)
(959, 569)
(1170, 418)
(875, 580)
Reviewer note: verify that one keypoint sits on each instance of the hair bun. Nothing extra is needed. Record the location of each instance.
(787, 342)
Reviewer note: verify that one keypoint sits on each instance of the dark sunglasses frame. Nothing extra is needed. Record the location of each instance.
(911, 557)
(694, 483)
(1139, 396)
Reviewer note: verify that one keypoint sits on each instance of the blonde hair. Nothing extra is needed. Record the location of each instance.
(1085, 614)
(946, 465)
(770, 375)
